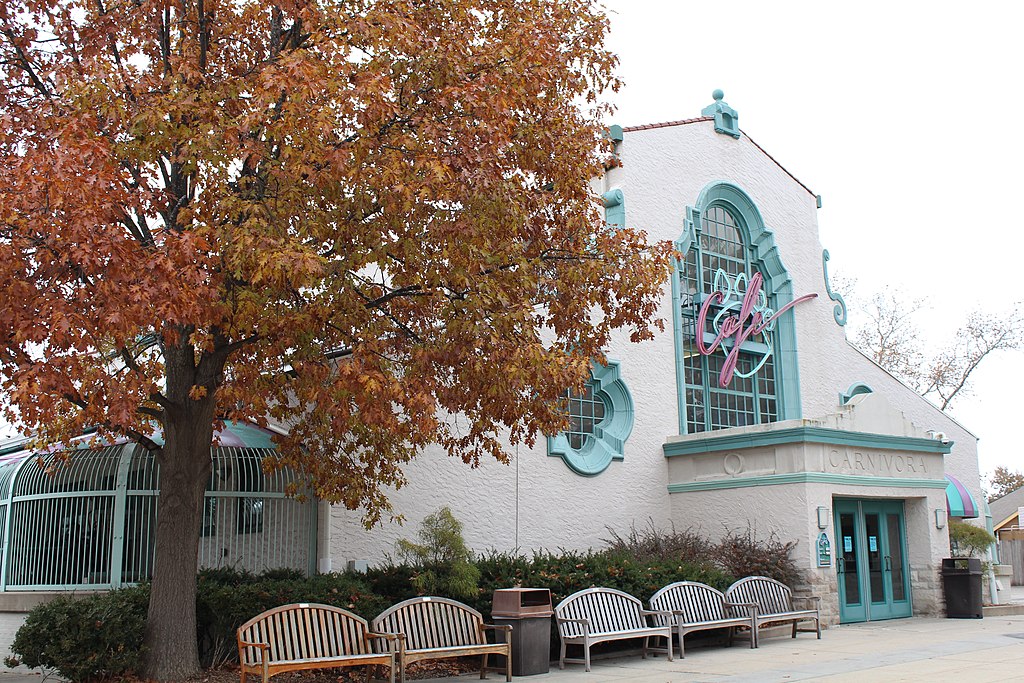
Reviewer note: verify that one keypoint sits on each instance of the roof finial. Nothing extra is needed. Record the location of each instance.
(726, 118)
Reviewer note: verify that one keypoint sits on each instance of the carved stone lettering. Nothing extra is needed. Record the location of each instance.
(874, 463)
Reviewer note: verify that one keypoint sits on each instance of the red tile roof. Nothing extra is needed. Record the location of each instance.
(667, 124)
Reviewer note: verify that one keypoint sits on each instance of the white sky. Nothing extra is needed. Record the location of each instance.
(902, 115)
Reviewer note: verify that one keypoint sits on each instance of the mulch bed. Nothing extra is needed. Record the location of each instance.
(441, 668)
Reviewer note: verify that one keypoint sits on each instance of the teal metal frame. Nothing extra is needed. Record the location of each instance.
(88, 521)
(868, 575)
(762, 251)
(608, 439)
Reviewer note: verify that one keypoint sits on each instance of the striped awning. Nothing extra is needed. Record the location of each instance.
(959, 501)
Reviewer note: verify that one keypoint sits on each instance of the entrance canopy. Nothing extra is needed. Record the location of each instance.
(959, 501)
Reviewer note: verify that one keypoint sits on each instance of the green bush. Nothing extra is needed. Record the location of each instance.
(90, 639)
(442, 561)
(224, 605)
(967, 540)
(569, 571)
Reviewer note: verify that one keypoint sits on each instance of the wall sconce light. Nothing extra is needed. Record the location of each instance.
(940, 518)
(822, 516)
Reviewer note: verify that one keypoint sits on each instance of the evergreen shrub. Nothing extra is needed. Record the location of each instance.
(88, 639)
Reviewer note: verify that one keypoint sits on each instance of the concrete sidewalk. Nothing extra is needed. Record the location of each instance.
(916, 649)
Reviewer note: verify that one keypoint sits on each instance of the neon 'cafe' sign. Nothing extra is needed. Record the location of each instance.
(738, 319)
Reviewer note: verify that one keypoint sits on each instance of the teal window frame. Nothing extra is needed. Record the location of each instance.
(606, 442)
(761, 253)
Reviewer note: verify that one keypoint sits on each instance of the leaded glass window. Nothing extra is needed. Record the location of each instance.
(586, 411)
(720, 257)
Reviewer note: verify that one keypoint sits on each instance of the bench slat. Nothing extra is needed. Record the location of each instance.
(437, 627)
(698, 607)
(774, 601)
(610, 615)
(304, 636)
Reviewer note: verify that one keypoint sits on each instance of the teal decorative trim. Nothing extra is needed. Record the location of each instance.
(840, 310)
(615, 133)
(731, 442)
(614, 208)
(726, 118)
(609, 438)
(808, 478)
(855, 389)
(777, 283)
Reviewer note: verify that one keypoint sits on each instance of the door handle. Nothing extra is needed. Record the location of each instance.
(888, 563)
(840, 565)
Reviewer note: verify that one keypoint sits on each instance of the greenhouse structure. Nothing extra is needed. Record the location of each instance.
(86, 519)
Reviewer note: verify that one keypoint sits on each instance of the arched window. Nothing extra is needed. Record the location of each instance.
(727, 250)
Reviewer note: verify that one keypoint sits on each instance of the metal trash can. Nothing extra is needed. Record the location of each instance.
(528, 611)
(961, 584)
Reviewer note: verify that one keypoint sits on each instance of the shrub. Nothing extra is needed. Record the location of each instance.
(222, 606)
(89, 639)
(441, 558)
(969, 539)
(650, 542)
(738, 554)
(742, 554)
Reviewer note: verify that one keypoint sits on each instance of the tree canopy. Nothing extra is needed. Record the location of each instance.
(370, 221)
(890, 337)
(1003, 480)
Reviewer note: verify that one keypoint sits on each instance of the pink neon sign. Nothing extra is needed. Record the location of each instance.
(752, 320)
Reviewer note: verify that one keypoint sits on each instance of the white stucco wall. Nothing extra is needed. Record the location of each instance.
(538, 502)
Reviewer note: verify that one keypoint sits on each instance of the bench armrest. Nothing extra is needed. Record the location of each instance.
(263, 647)
(585, 623)
(657, 613)
(807, 598)
(751, 606)
(505, 628)
(246, 643)
(390, 637)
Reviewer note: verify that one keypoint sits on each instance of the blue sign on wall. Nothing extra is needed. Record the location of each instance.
(824, 550)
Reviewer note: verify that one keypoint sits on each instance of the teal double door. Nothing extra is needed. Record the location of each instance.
(871, 560)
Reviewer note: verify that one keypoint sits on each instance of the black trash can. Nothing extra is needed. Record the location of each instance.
(961, 584)
(528, 611)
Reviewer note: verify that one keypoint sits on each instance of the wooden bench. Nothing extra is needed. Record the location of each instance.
(598, 615)
(437, 628)
(307, 636)
(698, 607)
(774, 603)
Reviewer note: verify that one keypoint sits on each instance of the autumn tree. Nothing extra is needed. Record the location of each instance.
(890, 336)
(1003, 480)
(370, 221)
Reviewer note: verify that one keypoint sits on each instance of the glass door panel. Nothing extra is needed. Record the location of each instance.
(849, 560)
(875, 577)
(871, 560)
(848, 557)
(896, 573)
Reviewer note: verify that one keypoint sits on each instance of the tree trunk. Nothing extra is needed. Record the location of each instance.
(172, 650)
